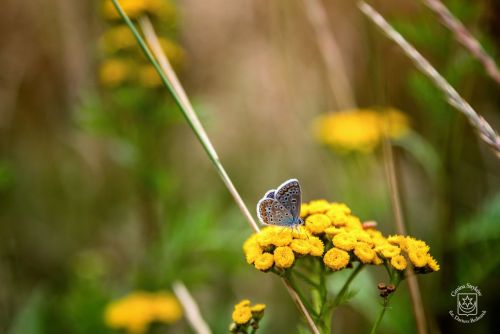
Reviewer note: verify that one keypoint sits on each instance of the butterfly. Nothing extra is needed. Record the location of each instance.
(281, 207)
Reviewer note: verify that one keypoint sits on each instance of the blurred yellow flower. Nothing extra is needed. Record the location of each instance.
(114, 71)
(388, 250)
(138, 310)
(258, 308)
(148, 76)
(283, 257)
(336, 259)
(399, 262)
(359, 129)
(117, 38)
(133, 8)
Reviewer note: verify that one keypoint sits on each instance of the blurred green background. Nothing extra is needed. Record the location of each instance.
(104, 189)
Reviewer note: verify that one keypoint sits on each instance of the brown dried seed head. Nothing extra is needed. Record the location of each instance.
(381, 286)
(391, 287)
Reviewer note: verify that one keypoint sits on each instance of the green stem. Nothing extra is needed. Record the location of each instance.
(304, 300)
(306, 279)
(379, 319)
(347, 283)
(384, 306)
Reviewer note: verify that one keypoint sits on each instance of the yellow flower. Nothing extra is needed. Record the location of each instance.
(117, 38)
(304, 210)
(353, 223)
(242, 315)
(359, 129)
(301, 233)
(340, 207)
(418, 257)
(148, 76)
(133, 8)
(166, 308)
(336, 259)
(173, 51)
(242, 303)
(351, 130)
(331, 231)
(337, 217)
(114, 71)
(377, 261)
(395, 122)
(277, 236)
(345, 241)
(300, 246)
(252, 249)
(396, 240)
(283, 257)
(317, 223)
(318, 206)
(317, 247)
(257, 308)
(364, 252)
(432, 263)
(388, 250)
(138, 310)
(362, 236)
(264, 261)
(399, 262)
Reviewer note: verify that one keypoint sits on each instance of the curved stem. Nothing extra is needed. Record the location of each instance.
(379, 319)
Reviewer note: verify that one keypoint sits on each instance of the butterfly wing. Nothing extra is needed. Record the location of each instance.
(272, 212)
(270, 193)
(289, 195)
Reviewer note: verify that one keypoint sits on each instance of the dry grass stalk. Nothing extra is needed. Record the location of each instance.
(330, 52)
(464, 37)
(486, 132)
(191, 309)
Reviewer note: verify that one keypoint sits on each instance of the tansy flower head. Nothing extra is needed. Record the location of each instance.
(344, 240)
(399, 262)
(245, 315)
(364, 252)
(432, 263)
(316, 246)
(418, 257)
(317, 223)
(359, 129)
(241, 315)
(300, 246)
(336, 259)
(264, 261)
(138, 310)
(388, 251)
(318, 206)
(283, 257)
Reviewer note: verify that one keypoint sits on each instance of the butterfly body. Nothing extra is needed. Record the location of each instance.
(281, 207)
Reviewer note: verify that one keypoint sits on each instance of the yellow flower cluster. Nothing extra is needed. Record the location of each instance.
(123, 62)
(245, 315)
(359, 129)
(136, 311)
(280, 246)
(333, 233)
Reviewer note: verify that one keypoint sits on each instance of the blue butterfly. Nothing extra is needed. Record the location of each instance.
(281, 207)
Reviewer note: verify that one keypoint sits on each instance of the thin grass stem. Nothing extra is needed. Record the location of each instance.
(464, 37)
(330, 52)
(484, 129)
(191, 309)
